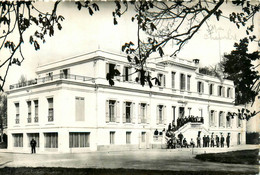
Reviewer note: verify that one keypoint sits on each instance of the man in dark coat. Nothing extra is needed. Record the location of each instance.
(222, 139)
(180, 136)
(212, 141)
(207, 141)
(198, 141)
(217, 140)
(204, 139)
(228, 140)
(33, 145)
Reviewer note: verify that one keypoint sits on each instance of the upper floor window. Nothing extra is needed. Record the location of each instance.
(79, 109)
(173, 80)
(200, 87)
(29, 105)
(161, 79)
(17, 113)
(36, 111)
(211, 89)
(212, 118)
(113, 70)
(160, 119)
(228, 121)
(127, 74)
(188, 82)
(221, 119)
(239, 122)
(128, 112)
(142, 113)
(50, 109)
(221, 91)
(182, 82)
(112, 137)
(229, 92)
(112, 111)
(128, 137)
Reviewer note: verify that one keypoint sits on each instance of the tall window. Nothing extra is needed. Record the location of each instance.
(221, 91)
(79, 139)
(34, 136)
(36, 111)
(112, 110)
(143, 111)
(173, 113)
(212, 118)
(188, 82)
(127, 74)
(182, 81)
(29, 105)
(128, 112)
(51, 140)
(239, 122)
(18, 140)
(200, 87)
(228, 121)
(17, 111)
(211, 89)
(221, 119)
(112, 137)
(143, 135)
(128, 137)
(161, 79)
(181, 112)
(229, 93)
(160, 114)
(80, 109)
(50, 110)
(173, 80)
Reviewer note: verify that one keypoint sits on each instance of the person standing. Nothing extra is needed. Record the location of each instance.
(217, 141)
(198, 141)
(207, 141)
(212, 141)
(33, 145)
(222, 139)
(228, 140)
(204, 140)
(180, 136)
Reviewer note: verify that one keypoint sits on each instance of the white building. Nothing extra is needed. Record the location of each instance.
(71, 107)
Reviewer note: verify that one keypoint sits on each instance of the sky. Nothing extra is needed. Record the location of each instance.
(82, 33)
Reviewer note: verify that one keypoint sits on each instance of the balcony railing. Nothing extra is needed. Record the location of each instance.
(36, 119)
(29, 120)
(49, 79)
(50, 118)
(17, 121)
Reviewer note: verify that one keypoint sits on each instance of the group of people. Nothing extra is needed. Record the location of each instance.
(183, 120)
(214, 141)
(180, 141)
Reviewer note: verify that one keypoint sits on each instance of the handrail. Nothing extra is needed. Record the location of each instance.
(49, 79)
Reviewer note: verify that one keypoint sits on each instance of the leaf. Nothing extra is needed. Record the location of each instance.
(59, 26)
(129, 58)
(36, 45)
(79, 5)
(117, 73)
(111, 82)
(90, 11)
(115, 21)
(136, 60)
(153, 27)
(133, 19)
(95, 6)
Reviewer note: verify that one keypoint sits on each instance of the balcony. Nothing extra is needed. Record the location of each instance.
(50, 118)
(50, 79)
(36, 119)
(29, 120)
(17, 121)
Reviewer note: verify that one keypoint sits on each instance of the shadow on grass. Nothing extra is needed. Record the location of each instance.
(90, 171)
(248, 157)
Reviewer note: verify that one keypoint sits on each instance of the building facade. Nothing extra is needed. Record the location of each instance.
(70, 106)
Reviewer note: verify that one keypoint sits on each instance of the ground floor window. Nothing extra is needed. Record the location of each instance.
(18, 140)
(34, 136)
(112, 137)
(79, 139)
(143, 136)
(128, 137)
(51, 140)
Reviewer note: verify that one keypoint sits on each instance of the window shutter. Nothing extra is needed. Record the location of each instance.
(198, 87)
(202, 87)
(164, 115)
(107, 69)
(139, 112)
(148, 113)
(118, 68)
(164, 81)
(133, 117)
(124, 73)
(124, 117)
(117, 112)
(157, 114)
(130, 74)
(107, 110)
(223, 92)
(223, 119)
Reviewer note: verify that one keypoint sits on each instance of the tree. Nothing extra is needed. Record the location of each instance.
(238, 67)
(158, 23)
(3, 114)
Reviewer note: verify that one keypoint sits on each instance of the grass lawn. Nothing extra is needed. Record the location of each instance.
(90, 171)
(248, 157)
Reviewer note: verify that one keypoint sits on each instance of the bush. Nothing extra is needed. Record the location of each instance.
(252, 138)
